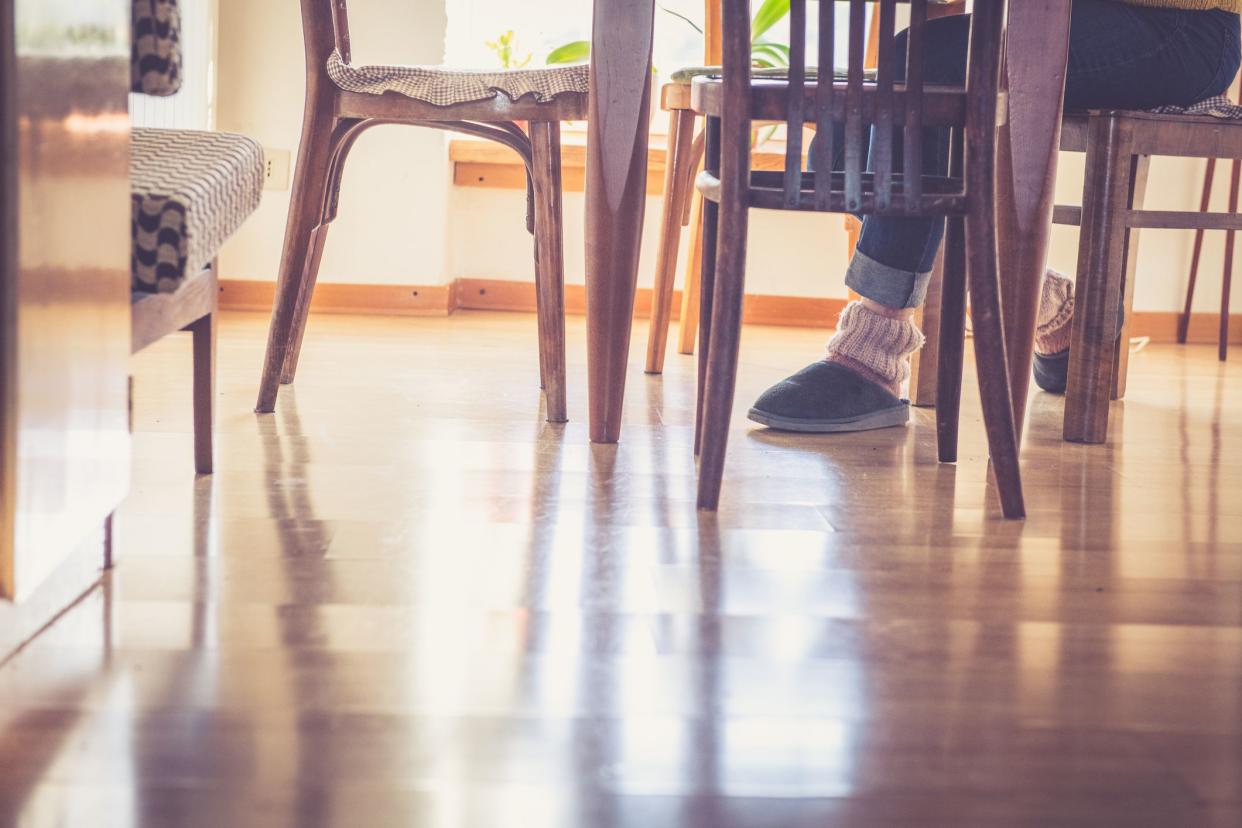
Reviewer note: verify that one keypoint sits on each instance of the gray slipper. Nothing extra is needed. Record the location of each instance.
(824, 398)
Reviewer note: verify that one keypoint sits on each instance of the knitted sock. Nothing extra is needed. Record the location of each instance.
(1056, 313)
(875, 346)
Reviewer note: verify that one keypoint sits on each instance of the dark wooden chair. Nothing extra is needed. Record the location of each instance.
(965, 196)
(1119, 146)
(344, 100)
(190, 192)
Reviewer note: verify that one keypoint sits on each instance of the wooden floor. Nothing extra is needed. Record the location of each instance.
(403, 600)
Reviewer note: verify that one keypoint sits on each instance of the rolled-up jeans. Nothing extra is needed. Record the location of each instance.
(1120, 57)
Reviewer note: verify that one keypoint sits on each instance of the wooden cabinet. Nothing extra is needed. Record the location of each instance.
(64, 291)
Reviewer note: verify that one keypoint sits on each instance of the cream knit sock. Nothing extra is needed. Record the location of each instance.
(876, 346)
(1056, 313)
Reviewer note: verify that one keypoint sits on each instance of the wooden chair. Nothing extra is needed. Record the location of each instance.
(191, 191)
(344, 100)
(965, 196)
(683, 160)
(1183, 322)
(1119, 146)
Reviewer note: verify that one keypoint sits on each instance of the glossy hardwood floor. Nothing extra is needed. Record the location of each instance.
(405, 600)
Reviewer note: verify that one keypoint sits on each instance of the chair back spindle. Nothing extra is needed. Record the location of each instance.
(794, 114)
(882, 143)
(855, 157)
(825, 139)
(912, 134)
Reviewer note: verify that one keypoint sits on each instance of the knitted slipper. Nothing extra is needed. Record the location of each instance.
(827, 397)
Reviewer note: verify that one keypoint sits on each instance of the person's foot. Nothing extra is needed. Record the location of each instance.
(857, 385)
(1052, 333)
(1052, 371)
(827, 397)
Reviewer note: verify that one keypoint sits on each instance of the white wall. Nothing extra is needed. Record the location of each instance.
(392, 223)
(402, 221)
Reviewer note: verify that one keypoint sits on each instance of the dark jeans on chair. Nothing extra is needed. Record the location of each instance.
(1120, 57)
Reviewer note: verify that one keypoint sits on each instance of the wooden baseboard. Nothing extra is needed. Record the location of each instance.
(389, 300)
(502, 295)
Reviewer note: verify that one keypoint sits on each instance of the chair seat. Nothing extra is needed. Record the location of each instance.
(189, 192)
(942, 105)
(447, 87)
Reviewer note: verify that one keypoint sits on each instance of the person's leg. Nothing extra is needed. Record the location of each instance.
(1127, 57)
(1120, 56)
(859, 382)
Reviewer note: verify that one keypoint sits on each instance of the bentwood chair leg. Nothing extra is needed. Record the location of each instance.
(951, 335)
(318, 238)
(310, 184)
(677, 190)
(1101, 269)
(545, 137)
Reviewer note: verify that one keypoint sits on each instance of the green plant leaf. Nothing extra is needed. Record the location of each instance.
(774, 53)
(574, 52)
(768, 15)
(681, 16)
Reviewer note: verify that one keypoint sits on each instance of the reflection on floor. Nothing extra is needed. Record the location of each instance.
(405, 601)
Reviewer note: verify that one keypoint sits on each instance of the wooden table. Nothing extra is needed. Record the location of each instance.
(617, 172)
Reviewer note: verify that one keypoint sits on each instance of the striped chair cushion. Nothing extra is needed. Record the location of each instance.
(155, 58)
(190, 192)
(445, 87)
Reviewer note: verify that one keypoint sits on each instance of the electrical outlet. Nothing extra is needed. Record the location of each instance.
(275, 169)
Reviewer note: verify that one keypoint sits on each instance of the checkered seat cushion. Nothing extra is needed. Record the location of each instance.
(446, 87)
(190, 191)
(155, 55)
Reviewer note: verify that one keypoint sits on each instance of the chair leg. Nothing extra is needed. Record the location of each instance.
(690, 315)
(1205, 201)
(108, 559)
(545, 139)
(951, 335)
(688, 329)
(289, 369)
(1101, 269)
(706, 292)
(310, 184)
(726, 331)
(991, 361)
(204, 334)
(680, 138)
(1227, 275)
(1138, 187)
(923, 367)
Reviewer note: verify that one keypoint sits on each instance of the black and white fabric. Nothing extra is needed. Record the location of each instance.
(1217, 106)
(446, 87)
(155, 56)
(190, 192)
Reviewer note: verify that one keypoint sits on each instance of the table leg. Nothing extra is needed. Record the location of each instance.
(616, 189)
(1037, 49)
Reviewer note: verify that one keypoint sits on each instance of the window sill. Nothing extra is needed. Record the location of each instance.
(481, 163)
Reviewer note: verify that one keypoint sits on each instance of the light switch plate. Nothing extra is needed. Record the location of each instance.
(275, 169)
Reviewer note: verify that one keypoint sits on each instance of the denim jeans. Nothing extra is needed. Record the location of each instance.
(1120, 56)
